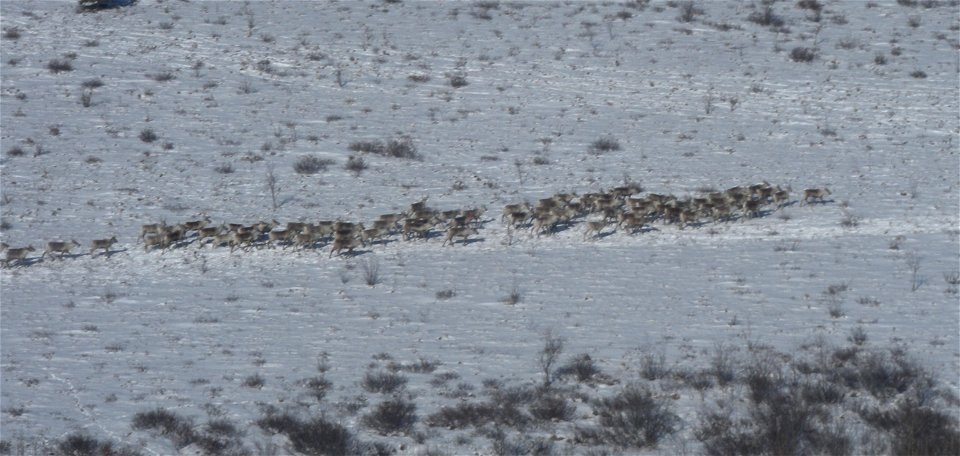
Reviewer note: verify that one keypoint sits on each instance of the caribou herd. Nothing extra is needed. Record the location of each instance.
(626, 208)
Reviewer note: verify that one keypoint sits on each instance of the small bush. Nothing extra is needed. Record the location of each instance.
(168, 424)
(401, 149)
(458, 80)
(225, 168)
(15, 151)
(383, 382)
(79, 444)
(802, 54)
(446, 294)
(880, 59)
(552, 407)
(688, 12)
(317, 436)
(462, 415)
(812, 5)
(421, 78)
(372, 147)
(605, 144)
(11, 33)
(94, 83)
(515, 297)
(918, 74)
(371, 272)
(148, 136)
(392, 416)
(633, 418)
(311, 164)
(766, 17)
(581, 367)
(254, 381)
(653, 367)
(922, 430)
(163, 76)
(317, 387)
(355, 164)
(59, 66)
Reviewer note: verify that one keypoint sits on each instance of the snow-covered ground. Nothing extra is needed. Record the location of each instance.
(87, 342)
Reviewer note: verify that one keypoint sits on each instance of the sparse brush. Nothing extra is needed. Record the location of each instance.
(311, 164)
(392, 416)
(148, 136)
(605, 144)
(803, 54)
(59, 66)
(383, 382)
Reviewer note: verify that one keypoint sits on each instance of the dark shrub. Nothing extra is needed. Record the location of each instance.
(59, 66)
(605, 144)
(148, 136)
(634, 418)
(311, 164)
(372, 147)
(918, 74)
(383, 382)
(316, 437)
(401, 149)
(355, 164)
(581, 367)
(802, 54)
(168, 424)
(766, 17)
(393, 415)
(549, 407)
(922, 430)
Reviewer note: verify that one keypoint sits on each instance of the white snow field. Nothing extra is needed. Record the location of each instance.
(502, 102)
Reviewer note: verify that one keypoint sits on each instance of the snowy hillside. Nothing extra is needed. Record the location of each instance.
(169, 111)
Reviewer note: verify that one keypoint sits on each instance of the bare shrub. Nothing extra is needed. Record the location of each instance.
(372, 147)
(923, 430)
(311, 164)
(355, 165)
(766, 17)
(316, 436)
(80, 444)
(857, 336)
(722, 364)
(446, 294)
(254, 381)
(317, 387)
(918, 74)
(169, 424)
(383, 382)
(225, 168)
(462, 415)
(552, 407)
(631, 418)
(148, 136)
(803, 54)
(162, 76)
(421, 78)
(552, 347)
(371, 272)
(94, 83)
(59, 66)
(605, 144)
(654, 367)
(401, 148)
(880, 59)
(458, 80)
(15, 151)
(86, 98)
(812, 5)
(581, 367)
(11, 33)
(688, 11)
(514, 297)
(392, 416)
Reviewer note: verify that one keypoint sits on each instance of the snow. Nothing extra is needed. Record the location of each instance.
(89, 341)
